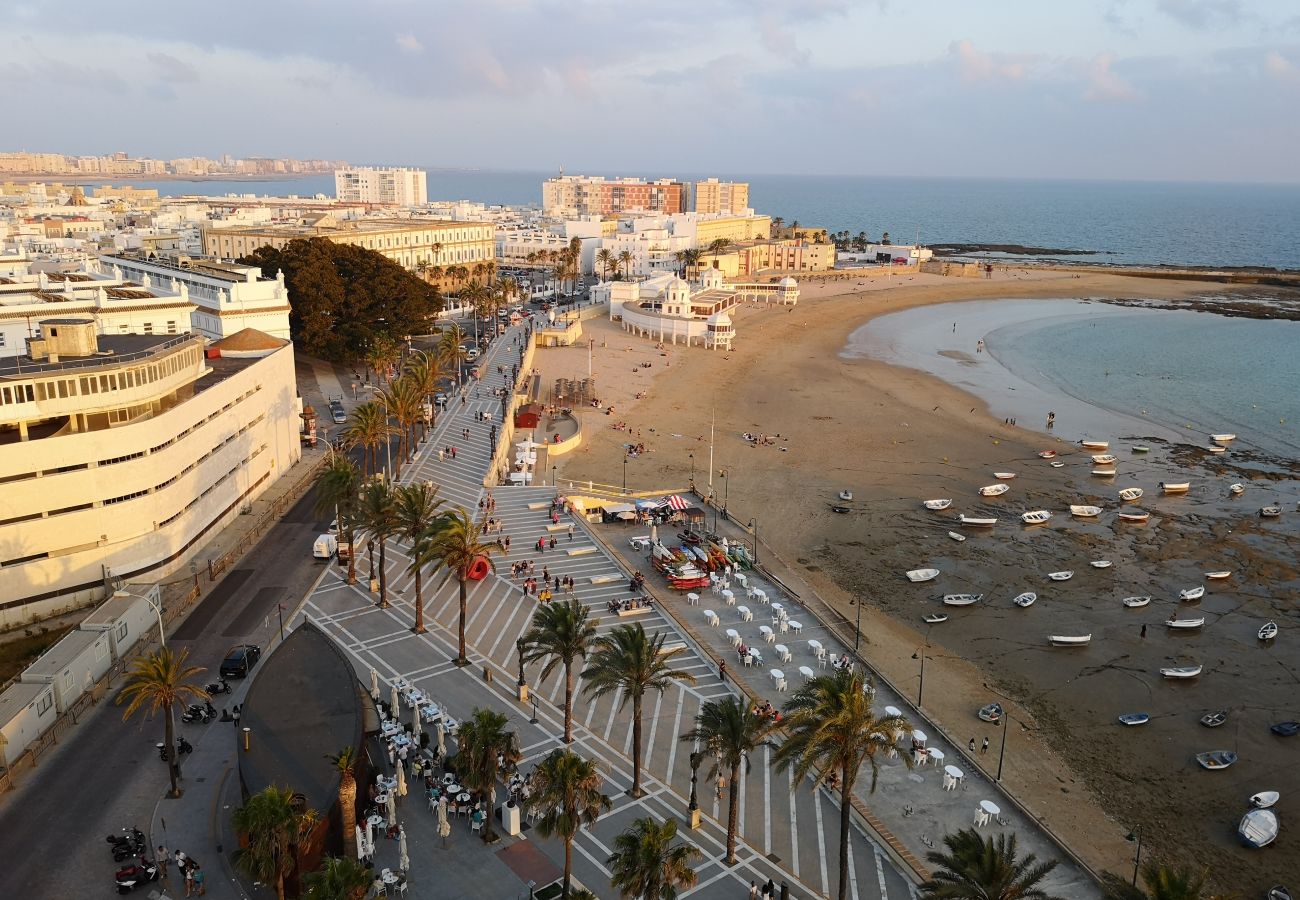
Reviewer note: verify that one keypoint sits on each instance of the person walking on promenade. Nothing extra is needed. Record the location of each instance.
(971, 745)
(984, 747)
(570, 531)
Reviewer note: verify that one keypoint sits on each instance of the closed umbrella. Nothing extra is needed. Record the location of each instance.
(401, 782)
(444, 827)
(361, 843)
(654, 533)
(416, 725)
(403, 858)
(442, 739)
(370, 838)
(392, 811)
(374, 684)
(396, 702)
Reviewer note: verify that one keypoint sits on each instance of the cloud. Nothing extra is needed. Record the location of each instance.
(780, 40)
(409, 43)
(1202, 14)
(1103, 84)
(975, 65)
(172, 69)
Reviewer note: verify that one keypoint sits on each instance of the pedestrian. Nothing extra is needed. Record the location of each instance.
(236, 713)
(722, 673)
(163, 859)
(984, 747)
(189, 880)
(507, 543)
(1144, 631)
(570, 531)
(554, 543)
(753, 890)
(971, 745)
(197, 874)
(769, 889)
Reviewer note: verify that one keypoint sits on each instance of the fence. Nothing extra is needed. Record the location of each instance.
(505, 439)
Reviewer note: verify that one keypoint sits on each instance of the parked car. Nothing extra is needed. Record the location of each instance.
(337, 412)
(240, 660)
(325, 546)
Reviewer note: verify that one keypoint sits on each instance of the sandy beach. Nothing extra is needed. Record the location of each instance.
(895, 436)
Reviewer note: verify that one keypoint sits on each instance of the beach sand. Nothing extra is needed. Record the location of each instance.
(896, 436)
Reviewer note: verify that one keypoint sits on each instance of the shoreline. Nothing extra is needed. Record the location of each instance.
(898, 439)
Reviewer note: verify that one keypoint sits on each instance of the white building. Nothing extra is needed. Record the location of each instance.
(389, 187)
(120, 454)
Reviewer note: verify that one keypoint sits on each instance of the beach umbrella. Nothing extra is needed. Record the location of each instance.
(374, 684)
(442, 739)
(392, 811)
(370, 838)
(403, 858)
(361, 843)
(654, 533)
(401, 781)
(416, 725)
(395, 701)
(444, 827)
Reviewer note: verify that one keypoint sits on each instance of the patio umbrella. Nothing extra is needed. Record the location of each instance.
(403, 858)
(401, 782)
(370, 839)
(416, 725)
(395, 701)
(374, 684)
(444, 827)
(361, 843)
(392, 811)
(654, 533)
(442, 739)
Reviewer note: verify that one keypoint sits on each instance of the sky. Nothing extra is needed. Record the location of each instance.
(1204, 90)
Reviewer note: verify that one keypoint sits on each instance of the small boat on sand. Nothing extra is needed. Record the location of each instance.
(938, 504)
(1132, 719)
(1175, 487)
(1268, 631)
(1134, 516)
(1004, 476)
(1216, 759)
(1216, 449)
(1237, 489)
(1195, 593)
(1086, 512)
(1278, 892)
(956, 537)
(1060, 576)
(1181, 671)
(1185, 623)
(1035, 517)
(1264, 799)
(1104, 473)
(961, 599)
(991, 713)
(1095, 445)
(1223, 438)
(1128, 494)
(1258, 828)
(1058, 465)
(978, 521)
(1218, 576)
(1069, 640)
(1214, 719)
(846, 495)
(919, 575)
(994, 490)
(934, 618)
(1141, 448)
(1285, 729)
(1271, 512)
(1135, 602)
(1025, 600)
(1100, 564)
(1047, 454)
(1104, 459)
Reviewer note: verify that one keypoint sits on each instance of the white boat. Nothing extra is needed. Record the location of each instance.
(1104, 473)
(1268, 632)
(1218, 576)
(1135, 516)
(1264, 799)
(1131, 494)
(1100, 564)
(1095, 445)
(934, 618)
(1237, 489)
(994, 490)
(919, 575)
(1025, 600)
(1185, 623)
(1060, 576)
(1140, 448)
(961, 599)
(938, 504)
(846, 495)
(1047, 454)
(1181, 671)
(1086, 512)
(1258, 828)
(1175, 487)
(1058, 465)
(1135, 602)
(1195, 593)
(1035, 517)
(1223, 438)
(956, 537)
(1216, 449)
(1104, 459)
(1271, 512)
(1069, 640)
(1004, 476)
(977, 521)
(1216, 759)
(1214, 719)
(1131, 719)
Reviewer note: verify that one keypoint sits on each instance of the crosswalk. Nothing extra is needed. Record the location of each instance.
(788, 830)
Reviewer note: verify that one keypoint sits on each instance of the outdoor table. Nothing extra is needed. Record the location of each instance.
(402, 740)
(954, 772)
(755, 658)
(730, 597)
(381, 799)
(745, 614)
(386, 783)
(767, 633)
(462, 797)
(711, 617)
(990, 807)
(935, 754)
(806, 672)
(818, 651)
(920, 736)
(389, 876)
(401, 684)
(889, 710)
(742, 579)
(734, 636)
(778, 677)
(796, 627)
(448, 778)
(777, 608)
(391, 728)
(375, 821)
(693, 599)
(760, 595)
(783, 652)
(454, 788)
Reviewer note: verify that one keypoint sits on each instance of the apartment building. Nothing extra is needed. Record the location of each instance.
(387, 187)
(714, 197)
(576, 196)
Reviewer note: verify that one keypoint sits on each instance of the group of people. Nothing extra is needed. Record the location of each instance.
(491, 525)
(767, 710)
(188, 868)
(632, 603)
(542, 544)
(748, 655)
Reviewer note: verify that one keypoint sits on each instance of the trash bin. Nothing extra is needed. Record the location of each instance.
(510, 818)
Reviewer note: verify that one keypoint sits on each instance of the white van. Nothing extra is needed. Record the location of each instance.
(325, 547)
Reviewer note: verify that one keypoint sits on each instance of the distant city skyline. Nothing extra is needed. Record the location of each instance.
(1151, 89)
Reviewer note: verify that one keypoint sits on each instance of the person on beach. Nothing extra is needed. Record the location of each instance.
(971, 745)
(984, 747)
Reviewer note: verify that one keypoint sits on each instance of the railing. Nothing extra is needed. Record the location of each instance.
(113, 359)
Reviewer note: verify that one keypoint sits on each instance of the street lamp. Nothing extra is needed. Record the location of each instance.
(1136, 835)
(692, 457)
(1002, 751)
(693, 808)
(625, 475)
(753, 530)
(857, 624)
(920, 690)
(726, 492)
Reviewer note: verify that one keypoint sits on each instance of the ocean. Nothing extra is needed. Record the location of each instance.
(1122, 223)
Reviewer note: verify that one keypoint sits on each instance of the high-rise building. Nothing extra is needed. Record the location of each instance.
(391, 187)
(714, 197)
(580, 195)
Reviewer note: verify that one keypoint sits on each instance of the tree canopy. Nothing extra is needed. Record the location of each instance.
(346, 298)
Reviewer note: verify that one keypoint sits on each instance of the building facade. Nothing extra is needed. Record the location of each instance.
(714, 197)
(575, 196)
(119, 454)
(386, 187)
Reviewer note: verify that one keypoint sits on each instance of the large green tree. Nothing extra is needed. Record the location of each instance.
(978, 868)
(566, 796)
(647, 865)
(347, 299)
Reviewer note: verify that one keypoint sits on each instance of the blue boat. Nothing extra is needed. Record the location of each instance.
(1134, 719)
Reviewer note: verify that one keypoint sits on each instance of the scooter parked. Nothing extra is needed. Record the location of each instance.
(142, 871)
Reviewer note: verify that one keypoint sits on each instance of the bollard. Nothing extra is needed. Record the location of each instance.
(785, 891)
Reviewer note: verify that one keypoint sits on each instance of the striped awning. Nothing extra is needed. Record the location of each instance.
(674, 502)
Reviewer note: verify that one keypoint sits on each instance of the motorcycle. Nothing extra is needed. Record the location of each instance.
(220, 686)
(200, 713)
(140, 872)
(132, 845)
(183, 746)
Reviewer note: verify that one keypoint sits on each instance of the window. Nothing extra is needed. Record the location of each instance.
(121, 631)
(44, 703)
(171, 327)
(148, 327)
(2, 338)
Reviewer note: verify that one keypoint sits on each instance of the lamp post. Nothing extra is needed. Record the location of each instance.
(920, 654)
(521, 647)
(693, 808)
(157, 608)
(624, 474)
(857, 623)
(692, 458)
(726, 493)
(1002, 751)
(1136, 835)
(753, 530)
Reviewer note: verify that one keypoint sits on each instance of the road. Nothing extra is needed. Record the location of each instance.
(107, 774)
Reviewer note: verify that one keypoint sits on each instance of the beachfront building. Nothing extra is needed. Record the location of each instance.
(384, 187)
(121, 453)
(714, 197)
(668, 309)
(575, 196)
(748, 258)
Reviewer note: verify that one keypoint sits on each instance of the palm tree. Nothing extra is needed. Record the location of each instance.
(728, 732)
(692, 261)
(273, 824)
(629, 660)
(777, 222)
(450, 350)
(647, 865)
(561, 633)
(377, 515)
(680, 257)
(486, 745)
(566, 795)
(368, 428)
(345, 761)
(427, 373)
(625, 260)
(337, 491)
(718, 247)
(338, 878)
(829, 725)
(605, 257)
(161, 682)
(457, 548)
(1161, 883)
(417, 521)
(406, 405)
(979, 869)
